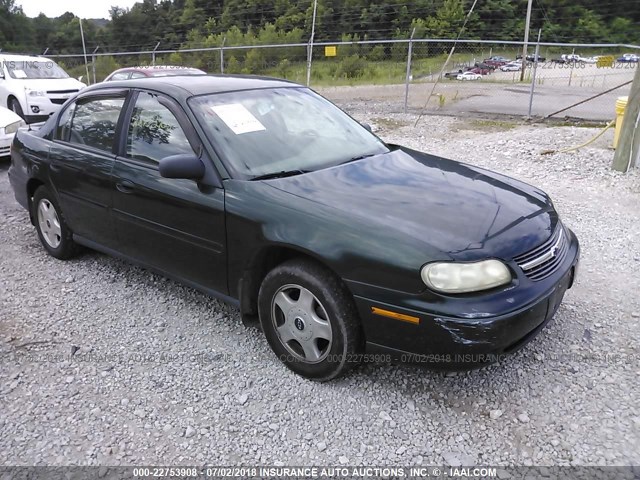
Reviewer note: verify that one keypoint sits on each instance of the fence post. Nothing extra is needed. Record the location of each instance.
(224, 40)
(408, 75)
(533, 74)
(93, 63)
(153, 55)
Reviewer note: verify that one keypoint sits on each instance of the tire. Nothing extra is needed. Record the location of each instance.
(310, 320)
(14, 105)
(54, 234)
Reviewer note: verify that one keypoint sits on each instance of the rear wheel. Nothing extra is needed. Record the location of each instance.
(54, 234)
(309, 320)
(14, 105)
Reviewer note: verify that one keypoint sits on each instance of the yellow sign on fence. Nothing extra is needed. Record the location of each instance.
(330, 51)
(605, 61)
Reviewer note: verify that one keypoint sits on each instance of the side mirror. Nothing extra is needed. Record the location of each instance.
(367, 126)
(182, 166)
(80, 78)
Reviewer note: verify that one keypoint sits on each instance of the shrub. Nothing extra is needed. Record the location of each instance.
(351, 67)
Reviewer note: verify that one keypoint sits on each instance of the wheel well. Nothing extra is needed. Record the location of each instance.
(9, 101)
(32, 186)
(265, 261)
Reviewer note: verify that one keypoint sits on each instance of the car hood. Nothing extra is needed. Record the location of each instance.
(52, 84)
(7, 117)
(463, 211)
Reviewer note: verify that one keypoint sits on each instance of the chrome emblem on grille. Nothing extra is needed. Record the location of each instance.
(548, 255)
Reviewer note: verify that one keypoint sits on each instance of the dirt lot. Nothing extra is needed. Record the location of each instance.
(452, 97)
(161, 374)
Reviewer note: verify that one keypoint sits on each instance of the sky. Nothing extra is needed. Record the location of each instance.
(81, 8)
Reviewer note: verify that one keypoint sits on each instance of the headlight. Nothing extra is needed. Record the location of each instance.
(450, 277)
(12, 127)
(36, 93)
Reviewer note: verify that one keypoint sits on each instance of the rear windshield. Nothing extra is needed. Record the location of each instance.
(177, 71)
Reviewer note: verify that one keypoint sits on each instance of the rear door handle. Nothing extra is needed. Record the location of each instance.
(125, 186)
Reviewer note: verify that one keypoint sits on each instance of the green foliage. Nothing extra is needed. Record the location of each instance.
(184, 24)
(351, 67)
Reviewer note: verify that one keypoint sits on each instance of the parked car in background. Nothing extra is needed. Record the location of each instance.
(571, 57)
(469, 76)
(511, 67)
(34, 87)
(454, 74)
(9, 124)
(496, 63)
(152, 71)
(628, 58)
(484, 65)
(262, 193)
(480, 70)
(498, 58)
(531, 57)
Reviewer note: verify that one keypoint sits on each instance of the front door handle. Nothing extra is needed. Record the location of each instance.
(125, 186)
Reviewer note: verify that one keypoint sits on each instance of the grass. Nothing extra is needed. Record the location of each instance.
(389, 123)
(485, 125)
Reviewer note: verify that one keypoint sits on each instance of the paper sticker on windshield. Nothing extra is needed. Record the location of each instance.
(238, 118)
(19, 73)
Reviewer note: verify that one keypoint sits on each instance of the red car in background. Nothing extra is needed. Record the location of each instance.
(152, 71)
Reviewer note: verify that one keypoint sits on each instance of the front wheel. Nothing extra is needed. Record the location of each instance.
(309, 320)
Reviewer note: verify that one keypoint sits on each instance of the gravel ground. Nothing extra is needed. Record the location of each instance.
(161, 374)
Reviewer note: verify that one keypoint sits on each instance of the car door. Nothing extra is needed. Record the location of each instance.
(174, 225)
(81, 160)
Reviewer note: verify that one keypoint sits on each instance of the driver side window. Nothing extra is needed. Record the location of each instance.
(154, 132)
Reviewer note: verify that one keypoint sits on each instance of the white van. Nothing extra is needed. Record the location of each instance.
(34, 87)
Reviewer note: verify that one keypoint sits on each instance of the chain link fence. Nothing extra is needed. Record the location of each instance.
(480, 76)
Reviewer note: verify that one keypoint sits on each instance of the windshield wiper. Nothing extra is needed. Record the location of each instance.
(359, 157)
(281, 174)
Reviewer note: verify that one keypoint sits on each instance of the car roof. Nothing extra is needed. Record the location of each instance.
(183, 87)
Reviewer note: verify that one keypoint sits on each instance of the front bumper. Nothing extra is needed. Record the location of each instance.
(465, 341)
(5, 144)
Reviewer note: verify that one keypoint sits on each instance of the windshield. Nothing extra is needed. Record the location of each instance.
(260, 132)
(32, 69)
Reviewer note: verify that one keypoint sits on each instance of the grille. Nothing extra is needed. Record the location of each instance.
(58, 101)
(545, 259)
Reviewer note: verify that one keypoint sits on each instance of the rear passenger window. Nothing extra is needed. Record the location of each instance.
(154, 132)
(91, 123)
(120, 76)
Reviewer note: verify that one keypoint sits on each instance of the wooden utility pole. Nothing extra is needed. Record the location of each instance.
(310, 46)
(629, 143)
(526, 41)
